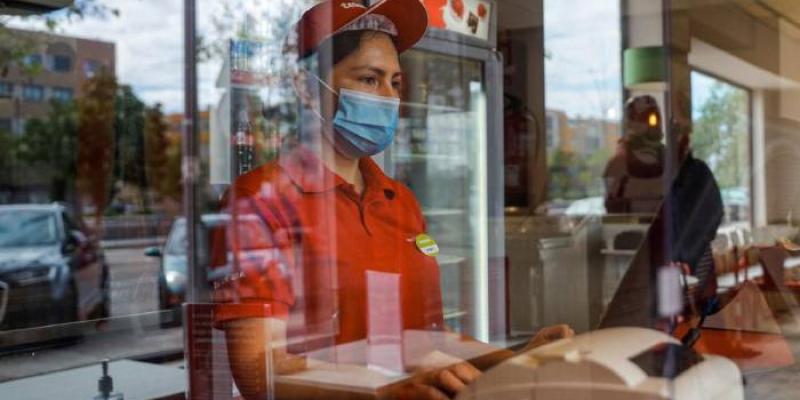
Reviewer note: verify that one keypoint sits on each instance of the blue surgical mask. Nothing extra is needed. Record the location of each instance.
(364, 124)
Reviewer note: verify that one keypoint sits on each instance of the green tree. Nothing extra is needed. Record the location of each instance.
(720, 134)
(8, 155)
(233, 21)
(49, 147)
(564, 170)
(96, 118)
(129, 151)
(163, 157)
(572, 176)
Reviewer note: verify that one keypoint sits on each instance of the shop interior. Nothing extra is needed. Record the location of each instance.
(509, 130)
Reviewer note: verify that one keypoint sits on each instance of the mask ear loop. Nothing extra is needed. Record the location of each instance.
(320, 80)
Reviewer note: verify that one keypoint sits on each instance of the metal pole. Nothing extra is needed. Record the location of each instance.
(671, 162)
(189, 165)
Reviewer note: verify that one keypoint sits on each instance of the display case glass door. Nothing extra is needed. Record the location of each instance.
(440, 154)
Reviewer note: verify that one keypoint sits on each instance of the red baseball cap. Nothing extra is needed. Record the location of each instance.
(407, 22)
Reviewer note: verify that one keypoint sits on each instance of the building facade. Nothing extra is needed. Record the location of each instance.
(55, 70)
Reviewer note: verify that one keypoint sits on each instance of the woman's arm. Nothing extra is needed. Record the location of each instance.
(432, 381)
(248, 341)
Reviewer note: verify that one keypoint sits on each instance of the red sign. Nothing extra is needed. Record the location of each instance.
(468, 17)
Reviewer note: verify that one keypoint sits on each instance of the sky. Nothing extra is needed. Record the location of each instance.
(581, 37)
(582, 73)
(148, 35)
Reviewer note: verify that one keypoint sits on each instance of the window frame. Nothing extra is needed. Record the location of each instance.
(62, 93)
(27, 90)
(6, 89)
(54, 64)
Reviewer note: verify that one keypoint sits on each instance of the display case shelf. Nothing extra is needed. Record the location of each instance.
(443, 212)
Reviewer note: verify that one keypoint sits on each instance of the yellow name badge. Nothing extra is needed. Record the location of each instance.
(427, 245)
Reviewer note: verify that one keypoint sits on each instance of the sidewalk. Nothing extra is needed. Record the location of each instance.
(139, 242)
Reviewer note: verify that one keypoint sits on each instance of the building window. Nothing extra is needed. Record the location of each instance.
(61, 63)
(91, 67)
(6, 90)
(33, 60)
(62, 94)
(33, 93)
(5, 125)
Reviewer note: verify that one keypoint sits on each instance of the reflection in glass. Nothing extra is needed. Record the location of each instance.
(27, 228)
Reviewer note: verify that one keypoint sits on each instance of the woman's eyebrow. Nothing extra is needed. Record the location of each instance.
(376, 70)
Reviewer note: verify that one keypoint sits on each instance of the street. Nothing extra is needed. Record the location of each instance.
(132, 332)
(134, 281)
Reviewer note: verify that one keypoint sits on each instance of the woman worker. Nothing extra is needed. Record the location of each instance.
(330, 210)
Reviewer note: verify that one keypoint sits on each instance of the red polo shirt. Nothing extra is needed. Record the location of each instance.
(320, 239)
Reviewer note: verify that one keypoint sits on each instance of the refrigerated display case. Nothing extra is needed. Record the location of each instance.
(243, 132)
(448, 151)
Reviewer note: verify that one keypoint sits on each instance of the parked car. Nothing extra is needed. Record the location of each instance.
(52, 269)
(173, 274)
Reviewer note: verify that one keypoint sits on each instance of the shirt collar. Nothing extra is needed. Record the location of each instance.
(307, 172)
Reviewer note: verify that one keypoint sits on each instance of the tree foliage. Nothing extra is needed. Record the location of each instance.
(720, 135)
(50, 145)
(573, 176)
(245, 20)
(129, 122)
(163, 156)
(7, 155)
(96, 118)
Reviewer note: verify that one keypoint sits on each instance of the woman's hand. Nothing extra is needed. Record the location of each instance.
(417, 390)
(440, 376)
(454, 379)
(549, 334)
(441, 384)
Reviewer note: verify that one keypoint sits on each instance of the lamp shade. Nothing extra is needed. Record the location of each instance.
(645, 67)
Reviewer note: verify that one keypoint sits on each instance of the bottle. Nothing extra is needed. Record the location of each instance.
(243, 143)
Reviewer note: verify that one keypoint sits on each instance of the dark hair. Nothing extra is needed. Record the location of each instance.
(339, 46)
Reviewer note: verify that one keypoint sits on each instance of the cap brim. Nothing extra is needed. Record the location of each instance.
(409, 17)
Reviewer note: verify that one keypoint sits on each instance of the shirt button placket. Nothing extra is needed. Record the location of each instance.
(362, 209)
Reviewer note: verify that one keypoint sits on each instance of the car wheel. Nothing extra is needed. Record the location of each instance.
(69, 313)
(169, 315)
(69, 305)
(104, 308)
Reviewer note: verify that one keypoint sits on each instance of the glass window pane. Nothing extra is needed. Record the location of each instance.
(62, 63)
(721, 114)
(90, 184)
(33, 93)
(6, 89)
(394, 198)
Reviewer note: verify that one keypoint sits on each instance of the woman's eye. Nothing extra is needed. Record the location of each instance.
(369, 80)
(397, 85)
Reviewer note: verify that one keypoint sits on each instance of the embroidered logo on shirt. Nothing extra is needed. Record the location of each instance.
(427, 245)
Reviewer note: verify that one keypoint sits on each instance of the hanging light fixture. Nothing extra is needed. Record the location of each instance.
(645, 68)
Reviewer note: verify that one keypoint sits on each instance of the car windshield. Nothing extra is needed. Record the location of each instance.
(176, 243)
(248, 227)
(27, 228)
